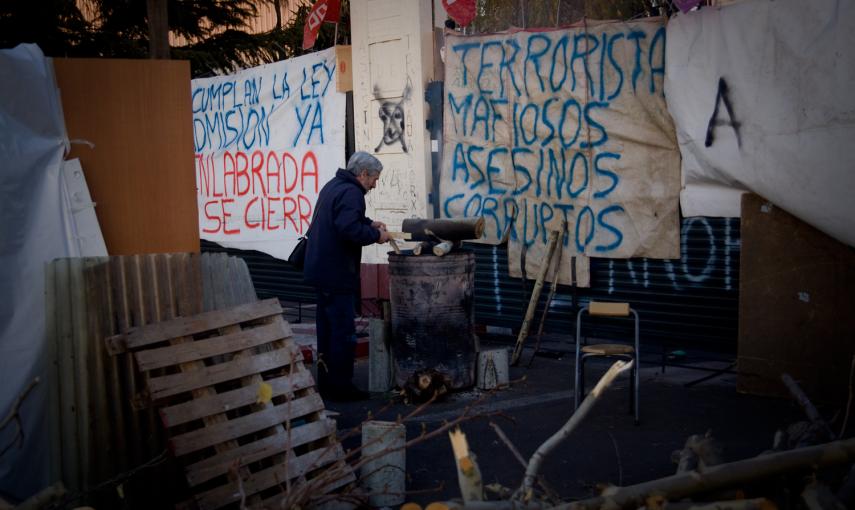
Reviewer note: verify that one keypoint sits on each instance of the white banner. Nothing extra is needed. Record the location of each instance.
(267, 139)
(761, 97)
(564, 125)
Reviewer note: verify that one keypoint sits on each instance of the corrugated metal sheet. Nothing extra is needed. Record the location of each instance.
(690, 302)
(274, 278)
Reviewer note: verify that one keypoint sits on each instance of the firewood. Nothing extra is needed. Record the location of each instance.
(736, 504)
(535, 295)
(447, 229)
(817, 496)
(423, 247)
(809, 409)
(443, 248)
(576, 418)
(846, 491)
(683, 485)
(700, 452)
(44, 498)
(468, 472)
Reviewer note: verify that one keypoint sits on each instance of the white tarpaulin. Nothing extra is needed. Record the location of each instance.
(564, 125)
(266, 140)
(45, 213)
(761, 95)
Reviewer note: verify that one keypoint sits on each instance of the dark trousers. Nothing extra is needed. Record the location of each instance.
(336, 339)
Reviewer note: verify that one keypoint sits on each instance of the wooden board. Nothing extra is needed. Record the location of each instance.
(195, 324)
(219, 464)
(213, 367)
(344, 69)
(222, 402)
(608, 309)
(137, 116)
(797, 287)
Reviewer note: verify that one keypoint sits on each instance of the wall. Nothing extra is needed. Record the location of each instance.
(136, 114)
(392, 62)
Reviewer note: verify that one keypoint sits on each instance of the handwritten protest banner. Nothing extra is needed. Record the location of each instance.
(564, 125)
(267, 139)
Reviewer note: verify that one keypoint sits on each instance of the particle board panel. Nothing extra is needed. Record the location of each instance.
(797, 291)
(136, 116)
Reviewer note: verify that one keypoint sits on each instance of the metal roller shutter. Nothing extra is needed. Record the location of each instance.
(690, 302)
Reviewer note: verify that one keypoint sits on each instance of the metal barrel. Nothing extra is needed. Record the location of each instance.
(432, 315)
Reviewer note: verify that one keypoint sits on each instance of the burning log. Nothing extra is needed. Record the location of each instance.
(425, 385)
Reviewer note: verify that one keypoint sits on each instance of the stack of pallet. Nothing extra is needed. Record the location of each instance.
(239, 405)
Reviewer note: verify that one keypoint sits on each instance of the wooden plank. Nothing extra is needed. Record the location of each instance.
(81, 366)
(173, 384)
(65, 363)
(132, 384)
(222, 402)
(187, 277)
(252, 452)
(207, 280)
(238, 427)
(208, 347)
(52, 310)
(608, 309)
(206, 321)
(220, 281)
(118, 316)
(270, 477)
(152, 290)
(244, 276)
(103, 459)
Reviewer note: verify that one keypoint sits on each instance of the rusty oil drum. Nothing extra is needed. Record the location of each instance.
(433, 323)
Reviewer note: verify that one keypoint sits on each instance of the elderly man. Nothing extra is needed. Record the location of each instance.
(339, 231)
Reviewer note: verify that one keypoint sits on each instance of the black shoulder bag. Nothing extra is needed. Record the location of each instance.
(298, 255)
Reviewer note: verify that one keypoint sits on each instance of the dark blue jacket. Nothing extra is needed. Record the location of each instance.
(339, 231)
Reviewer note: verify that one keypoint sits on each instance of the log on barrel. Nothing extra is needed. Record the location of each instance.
(446, 229)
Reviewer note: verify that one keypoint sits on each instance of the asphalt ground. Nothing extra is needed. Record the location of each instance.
(607, 448)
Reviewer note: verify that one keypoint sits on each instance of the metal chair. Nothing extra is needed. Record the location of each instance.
(611, 350)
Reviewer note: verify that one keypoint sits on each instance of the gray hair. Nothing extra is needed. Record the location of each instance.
(360, 161)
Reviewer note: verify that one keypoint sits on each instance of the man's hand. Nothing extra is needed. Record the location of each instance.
(379, 225)
(384, 236)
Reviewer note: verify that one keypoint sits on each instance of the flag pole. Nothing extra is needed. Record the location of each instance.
(335, 34)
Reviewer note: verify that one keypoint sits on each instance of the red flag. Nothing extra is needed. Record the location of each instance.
(323, 10)
(461, 11)
(333, 11)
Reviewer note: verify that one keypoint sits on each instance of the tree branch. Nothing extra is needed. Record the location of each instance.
(546, 448)
(14, 414)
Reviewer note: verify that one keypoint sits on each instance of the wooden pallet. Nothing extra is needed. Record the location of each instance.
(207, 372)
